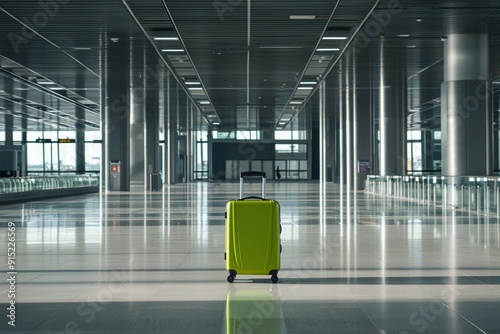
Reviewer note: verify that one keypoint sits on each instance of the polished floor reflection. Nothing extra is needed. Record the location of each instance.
(143, 262)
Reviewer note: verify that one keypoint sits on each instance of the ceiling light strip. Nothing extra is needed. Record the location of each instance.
(165, 62)
(47, 91)
(50, 42)
(170, 17)
(311, 57)
(347, 45)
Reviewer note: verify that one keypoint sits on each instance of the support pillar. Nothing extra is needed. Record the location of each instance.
(392, 114)
(152, 137)
(170, 129)
(9, 115)
(80, 141)
(322, 133)
(80, 128)
(466, 107)
(138, 176)
(362, 129)
(117, 111)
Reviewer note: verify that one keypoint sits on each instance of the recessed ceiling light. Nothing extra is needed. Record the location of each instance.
(81, 48)
(302, 17)
(411, 46)
(216, 123)
(328, 49)
(403, 35)
(304, 88)
(308, 82)
(45, 82)
(195, 88)
(295, 102)
(204, 102)
(334, 38)
(166, 38)
(192, 83)
(280, 47)
(419, 19)
(172, 50)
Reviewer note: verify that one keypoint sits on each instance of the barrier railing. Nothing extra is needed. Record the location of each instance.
(26, 184)
(478, 193)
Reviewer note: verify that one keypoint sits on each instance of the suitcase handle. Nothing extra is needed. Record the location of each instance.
(252, 197)
(253, 173)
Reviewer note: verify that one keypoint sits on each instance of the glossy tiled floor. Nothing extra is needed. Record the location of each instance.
(153, 263)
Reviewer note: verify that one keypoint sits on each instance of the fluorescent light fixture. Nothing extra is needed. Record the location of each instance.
(280, 47)
(192, 83)
(302, 17)
(216, 123)
(204, 102)
(403, 35)
(328, 49)
(338, 38)
(195, 88)
(411, 46)
(45, 82)
(295, 102)
(166, 38)
(57, 88)
(172, 50)
(81, 48)
(304, 88)
(308, 82)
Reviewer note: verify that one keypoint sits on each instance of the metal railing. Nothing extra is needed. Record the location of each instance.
(471, 193)
(27, 184)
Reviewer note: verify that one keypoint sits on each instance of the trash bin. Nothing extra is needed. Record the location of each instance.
(154, 181)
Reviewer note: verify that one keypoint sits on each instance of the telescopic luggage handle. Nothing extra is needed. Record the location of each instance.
(253, 173)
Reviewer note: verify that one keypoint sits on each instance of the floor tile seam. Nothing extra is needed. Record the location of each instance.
(369, 317)
(463, 317)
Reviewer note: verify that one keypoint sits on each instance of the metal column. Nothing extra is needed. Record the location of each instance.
(392, 113)
(466, 109)
(152, 129)
(117, 109)
(138, 176)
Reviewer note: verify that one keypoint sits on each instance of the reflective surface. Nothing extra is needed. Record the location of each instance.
(153, 262)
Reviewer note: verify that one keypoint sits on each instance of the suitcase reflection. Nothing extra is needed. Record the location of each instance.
(252, 310)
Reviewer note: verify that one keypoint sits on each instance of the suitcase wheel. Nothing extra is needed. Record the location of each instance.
(230, 279)
(274, 279)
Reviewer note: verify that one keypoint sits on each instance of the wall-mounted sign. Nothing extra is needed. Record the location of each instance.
(42, 140)
(364, 166)
(66, 140)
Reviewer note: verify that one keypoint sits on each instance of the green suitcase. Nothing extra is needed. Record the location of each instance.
(252, 227)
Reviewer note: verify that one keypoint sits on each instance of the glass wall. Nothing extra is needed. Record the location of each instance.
(201, 161)
(93, 151)
(414, 152)
(54, 152)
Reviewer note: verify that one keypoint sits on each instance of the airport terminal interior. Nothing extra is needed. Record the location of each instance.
(125, 126)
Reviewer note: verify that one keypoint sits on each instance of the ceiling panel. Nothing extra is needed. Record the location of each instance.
(249, 56)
